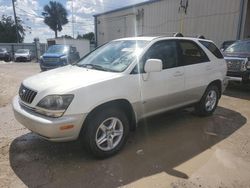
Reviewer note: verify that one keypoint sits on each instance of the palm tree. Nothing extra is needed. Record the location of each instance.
(55, 16)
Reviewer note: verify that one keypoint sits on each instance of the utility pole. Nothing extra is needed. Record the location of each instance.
(72, 12)
(183, 11)
(14, 10)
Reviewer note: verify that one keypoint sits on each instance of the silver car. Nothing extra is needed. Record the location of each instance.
(22, 55)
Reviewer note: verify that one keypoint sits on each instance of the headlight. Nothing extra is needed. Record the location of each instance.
(54, 105)
(244, 65)
(248, 65)
(64, 59)
(41, 59)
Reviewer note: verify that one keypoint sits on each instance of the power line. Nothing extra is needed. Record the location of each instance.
(28, 13)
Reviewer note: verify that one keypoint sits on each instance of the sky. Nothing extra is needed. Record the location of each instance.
(83, 10)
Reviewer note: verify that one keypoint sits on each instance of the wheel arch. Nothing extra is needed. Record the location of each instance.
(122, 104)
(218, 83)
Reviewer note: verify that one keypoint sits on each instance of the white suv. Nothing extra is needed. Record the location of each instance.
(101, 98)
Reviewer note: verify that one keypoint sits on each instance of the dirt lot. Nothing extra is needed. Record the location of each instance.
(176, 149)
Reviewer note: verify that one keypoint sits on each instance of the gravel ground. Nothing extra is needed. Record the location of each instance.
(175, 149)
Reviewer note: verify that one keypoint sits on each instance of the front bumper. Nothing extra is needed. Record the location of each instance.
(46, 127)
(21, 58)
(225, 83)
(245, 75)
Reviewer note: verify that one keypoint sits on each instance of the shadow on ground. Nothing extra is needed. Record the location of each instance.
(159, 145)
(238, 90)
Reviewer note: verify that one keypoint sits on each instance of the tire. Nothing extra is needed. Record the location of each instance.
(204, 107)
(98, 127)
(7, 59)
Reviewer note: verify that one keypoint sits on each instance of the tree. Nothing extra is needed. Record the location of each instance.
(66, 37)
(8, 30)
(89, 36)
(55, 16)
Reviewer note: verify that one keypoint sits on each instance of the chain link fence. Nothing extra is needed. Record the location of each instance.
(36, 48)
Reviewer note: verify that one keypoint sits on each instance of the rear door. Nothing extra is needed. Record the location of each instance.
(197, 68)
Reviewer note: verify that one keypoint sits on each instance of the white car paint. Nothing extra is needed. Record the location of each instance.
(26, 55)
(148, 93)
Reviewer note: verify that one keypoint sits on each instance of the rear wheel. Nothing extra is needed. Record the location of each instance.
(106, 132)
(208, 102)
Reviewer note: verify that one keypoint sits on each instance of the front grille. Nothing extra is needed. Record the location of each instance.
(26, 95)
(51, 60)
(234, 65)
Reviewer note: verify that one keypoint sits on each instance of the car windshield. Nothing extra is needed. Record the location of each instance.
(114, 56)
(58, 49)
(22, 51)
(3, 50)
(239, 47)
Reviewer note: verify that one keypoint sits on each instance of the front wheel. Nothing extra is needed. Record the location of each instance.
(106, 132)
(208, 102)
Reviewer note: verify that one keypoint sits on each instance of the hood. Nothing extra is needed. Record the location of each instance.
(67, 79)
(239, 55)
(57, 55)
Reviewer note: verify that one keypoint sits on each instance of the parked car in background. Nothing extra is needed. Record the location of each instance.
(4, 54)
(102, 97)
(237, 57)
(226, 44)
(58, 56)
(22, 55)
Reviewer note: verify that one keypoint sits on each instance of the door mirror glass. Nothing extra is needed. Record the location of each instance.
(153, 65)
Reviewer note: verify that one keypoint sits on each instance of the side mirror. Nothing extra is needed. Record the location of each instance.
(153, 65)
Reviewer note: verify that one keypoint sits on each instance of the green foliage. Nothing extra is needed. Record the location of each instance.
(89, 36)
(66, 37)
(55, 16)
(8, 30)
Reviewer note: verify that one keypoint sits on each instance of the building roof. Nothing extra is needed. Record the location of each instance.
(127, 7)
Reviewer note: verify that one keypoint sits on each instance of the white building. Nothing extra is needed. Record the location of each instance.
(218, 20)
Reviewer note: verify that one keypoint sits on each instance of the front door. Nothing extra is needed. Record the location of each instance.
(162, 91)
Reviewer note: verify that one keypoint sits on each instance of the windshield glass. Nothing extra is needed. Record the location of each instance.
(22, 51)
(114, 56)
(3, 50)
(58, 49)
(239, 47)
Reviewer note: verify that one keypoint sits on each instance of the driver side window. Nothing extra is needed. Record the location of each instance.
(163, 50)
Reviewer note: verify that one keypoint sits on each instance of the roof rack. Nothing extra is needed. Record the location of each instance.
(178, 34)
(201, 37)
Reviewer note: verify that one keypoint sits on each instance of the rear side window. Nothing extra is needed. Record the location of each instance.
(191, 53)
(212, 48)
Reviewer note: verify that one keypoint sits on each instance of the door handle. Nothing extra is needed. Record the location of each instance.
(178, 73)
(208, 67)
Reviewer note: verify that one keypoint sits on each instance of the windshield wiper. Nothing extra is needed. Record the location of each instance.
(93, 66)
